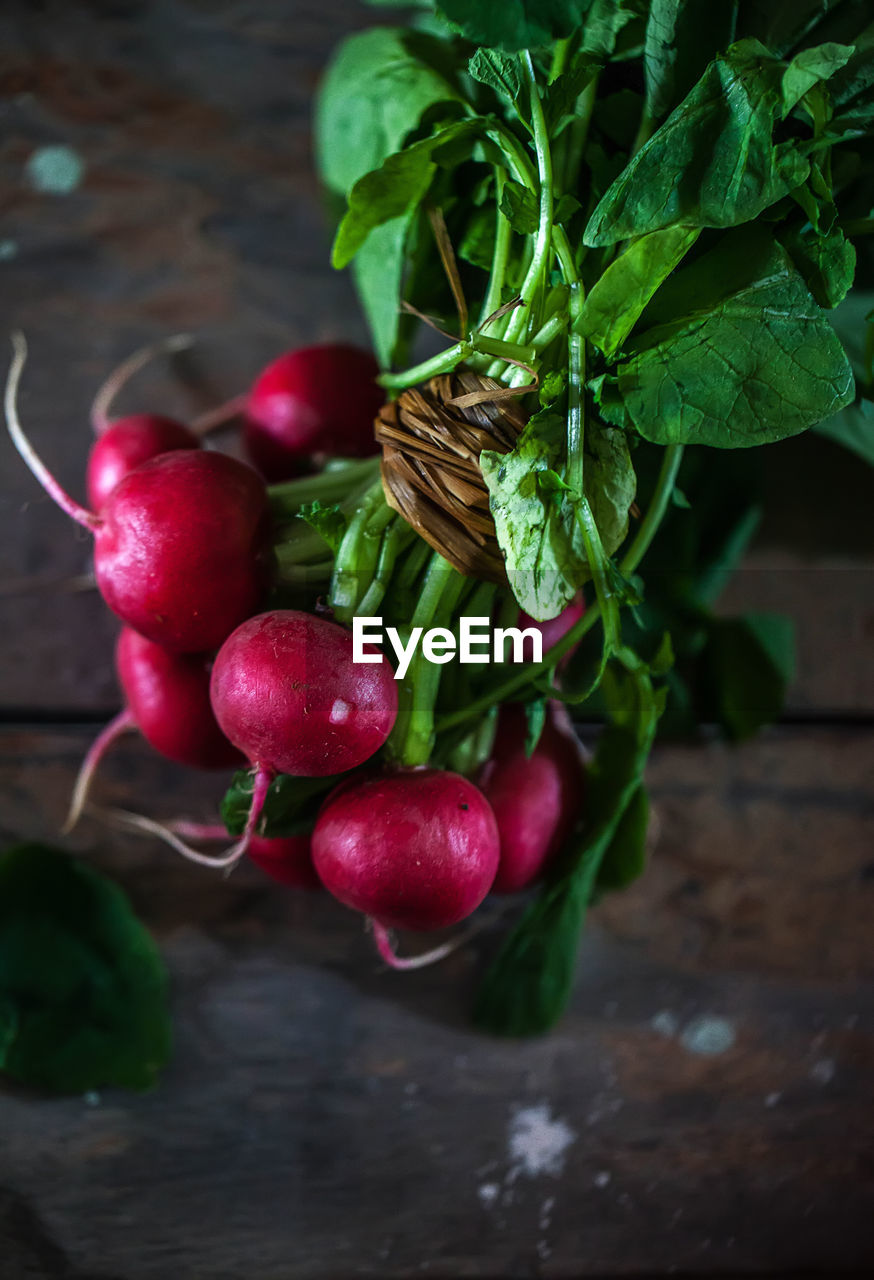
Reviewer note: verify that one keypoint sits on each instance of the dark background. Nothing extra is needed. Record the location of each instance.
(322, 1117)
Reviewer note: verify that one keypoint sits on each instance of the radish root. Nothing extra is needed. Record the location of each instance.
(28, 454)
(100, 419)
(123, 723)
(217, 417)
(385, 947)
(128, 821)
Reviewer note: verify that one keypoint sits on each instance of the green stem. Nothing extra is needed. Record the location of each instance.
(327, 486)
(443, 362)
(656, 510)
(304, 575)
(354, 558)
(503, 236)
(412, 736)
(542, 244)
(576, 374)
(392, 544)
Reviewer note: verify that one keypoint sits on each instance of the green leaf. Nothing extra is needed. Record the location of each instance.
(535, 720)
(373, 95)
(566, 207)
(760, 364)
(561, 95)
(604, 20)
(714, 162)
(378, 269)
(528, 985)
(536, 523)
(512, 25)
(750, 663)
(853, 428)
(327, 520)
(289, 809)
(617, 299)
(392, 191)
(810, 67)
(498, 71)
(83, 991)
(626, 856)
(681, 38)
(519, 206)
(827, 262)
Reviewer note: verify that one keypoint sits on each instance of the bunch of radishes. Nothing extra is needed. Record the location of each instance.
(197, 558)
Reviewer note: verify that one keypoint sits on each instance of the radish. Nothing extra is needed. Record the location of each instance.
(536, 800)
(167, 700)
(168, 696)
(287, 859)
(127, 443)
(416, 849)
(553, 630)
(180, 545)
(286, 691)
(318, 399)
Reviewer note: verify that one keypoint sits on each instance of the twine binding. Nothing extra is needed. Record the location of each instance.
(430, 464)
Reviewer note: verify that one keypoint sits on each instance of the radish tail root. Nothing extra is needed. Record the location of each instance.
(100, 419)
(123, 723)
(29, 455)
(127, 821)
(385, 947)
(198, 830)
(212, 419)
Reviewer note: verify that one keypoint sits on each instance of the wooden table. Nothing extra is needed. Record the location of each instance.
(705, 1108)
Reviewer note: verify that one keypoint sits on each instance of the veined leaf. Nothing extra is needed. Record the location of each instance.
(392, 191)
(535, 517)
(714, 162)
(616, 300)
(755, 366)
(809, 67)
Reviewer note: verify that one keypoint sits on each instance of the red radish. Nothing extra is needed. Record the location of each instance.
(286, 691)
(416, 849)
(180, 550)
(318, 399)
(536, 801)
(180, 546)
(127, 443)
(553, 630)
(167, 700)
(287, 859)
(168, 697)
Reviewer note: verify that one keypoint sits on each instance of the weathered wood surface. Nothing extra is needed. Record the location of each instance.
(323, 1117)
(705, 1108)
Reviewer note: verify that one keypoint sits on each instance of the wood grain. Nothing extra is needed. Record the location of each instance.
(323, 1117)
